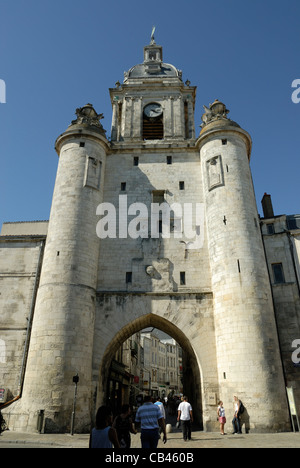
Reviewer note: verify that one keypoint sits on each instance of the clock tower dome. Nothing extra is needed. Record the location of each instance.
(153, 103)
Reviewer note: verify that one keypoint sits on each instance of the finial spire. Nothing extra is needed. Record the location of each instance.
(152, 35)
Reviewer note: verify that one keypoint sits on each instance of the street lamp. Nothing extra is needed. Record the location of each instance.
(75, 381)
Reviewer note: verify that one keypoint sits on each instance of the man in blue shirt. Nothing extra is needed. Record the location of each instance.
(150, 417)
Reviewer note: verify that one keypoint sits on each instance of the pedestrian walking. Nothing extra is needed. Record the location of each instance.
(161, 407)
(236, 423)
(103, 435)
(150, 417)
(124, 426)
(222, 417)
(185, 416)
(3, 426)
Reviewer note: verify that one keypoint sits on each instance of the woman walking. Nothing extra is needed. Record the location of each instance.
(103, 435)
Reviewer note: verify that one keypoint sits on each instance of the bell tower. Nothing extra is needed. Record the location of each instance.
(153, 103)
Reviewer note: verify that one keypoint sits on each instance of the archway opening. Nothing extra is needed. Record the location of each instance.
(116, 386)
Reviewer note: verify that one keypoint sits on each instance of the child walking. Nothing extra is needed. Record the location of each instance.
(222, 418)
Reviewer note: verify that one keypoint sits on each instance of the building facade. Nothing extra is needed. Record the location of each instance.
(162, 366)
(109, 263)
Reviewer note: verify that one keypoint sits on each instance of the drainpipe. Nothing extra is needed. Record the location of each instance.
(29, 327)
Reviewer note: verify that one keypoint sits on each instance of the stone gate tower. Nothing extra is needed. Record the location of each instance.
(247, 347)
(62, 334)
(212, 296)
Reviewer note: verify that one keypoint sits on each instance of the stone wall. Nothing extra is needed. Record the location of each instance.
(19, 270)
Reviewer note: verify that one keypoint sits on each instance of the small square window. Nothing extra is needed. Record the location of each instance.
(270, 229)
(82, 144)
(182, 278)
(123, 186)
(181, 185)
(158, 196)
(224, 142)
(128, 277)
(278, 273)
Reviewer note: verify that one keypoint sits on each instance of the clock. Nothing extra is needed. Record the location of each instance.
(153, 110)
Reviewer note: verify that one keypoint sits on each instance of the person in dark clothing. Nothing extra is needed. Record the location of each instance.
(124, 426)
(236, 423)
(3, 426)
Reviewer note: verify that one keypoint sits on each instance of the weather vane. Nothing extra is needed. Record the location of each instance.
(152, 35)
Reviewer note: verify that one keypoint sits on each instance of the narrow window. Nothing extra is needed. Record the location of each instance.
(182, 278)
(160, 226)
(129, 277)
(181, 185)
(169, 159)
(123, 186)
(278, 273)
(136, 161)
(270, 229)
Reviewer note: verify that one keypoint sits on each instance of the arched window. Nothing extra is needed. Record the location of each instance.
(153, 127)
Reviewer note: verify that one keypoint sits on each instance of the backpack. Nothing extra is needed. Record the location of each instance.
(242, 408)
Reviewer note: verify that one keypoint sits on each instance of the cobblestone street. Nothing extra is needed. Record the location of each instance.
(199, 440)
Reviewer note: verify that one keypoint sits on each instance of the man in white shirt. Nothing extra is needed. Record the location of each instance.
(185, 415)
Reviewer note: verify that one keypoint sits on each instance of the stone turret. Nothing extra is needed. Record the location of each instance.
(248, 358)
(63, 330)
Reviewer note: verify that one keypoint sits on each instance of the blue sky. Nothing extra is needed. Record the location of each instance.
(56, 56)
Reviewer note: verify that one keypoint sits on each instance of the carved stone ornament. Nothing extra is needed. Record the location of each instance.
(87, 115)
(216, 111)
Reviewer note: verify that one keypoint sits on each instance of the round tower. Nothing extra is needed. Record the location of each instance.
(248, 358)
(63, 328)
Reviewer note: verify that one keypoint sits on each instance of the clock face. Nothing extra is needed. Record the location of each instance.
(153, 110)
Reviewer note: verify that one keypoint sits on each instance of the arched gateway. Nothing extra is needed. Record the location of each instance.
(153, 228)
(164, 313)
